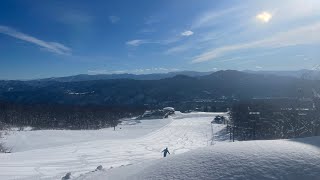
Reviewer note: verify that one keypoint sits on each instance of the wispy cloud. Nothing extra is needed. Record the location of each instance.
(178, 49)
(204, 37)
(170, 40)
(209, 18)
(136, 42)
(187, 33)
(49, 46)
(114, 19)
(298, 36)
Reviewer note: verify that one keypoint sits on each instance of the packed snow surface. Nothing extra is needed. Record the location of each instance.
(50, 154)
(297, 159)
(25, 140)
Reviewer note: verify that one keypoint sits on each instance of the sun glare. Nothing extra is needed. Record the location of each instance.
(264, 17)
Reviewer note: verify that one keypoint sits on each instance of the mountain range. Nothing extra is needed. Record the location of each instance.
(304, 73)
(156, 92)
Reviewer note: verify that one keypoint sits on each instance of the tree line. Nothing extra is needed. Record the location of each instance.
(260, 120)
(55, 116)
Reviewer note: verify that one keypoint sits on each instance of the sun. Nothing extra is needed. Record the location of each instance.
(264, 17)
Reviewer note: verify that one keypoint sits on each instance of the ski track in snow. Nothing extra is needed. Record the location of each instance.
(294, 159)
(183, 132)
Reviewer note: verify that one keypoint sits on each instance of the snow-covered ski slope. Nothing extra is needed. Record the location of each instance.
(297, 159)
(57, 152)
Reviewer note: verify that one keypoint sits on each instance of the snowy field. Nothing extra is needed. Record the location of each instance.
(50, 154)
(296, 159)
(20, 141)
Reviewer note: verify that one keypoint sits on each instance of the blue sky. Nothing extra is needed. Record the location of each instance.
(58, 38)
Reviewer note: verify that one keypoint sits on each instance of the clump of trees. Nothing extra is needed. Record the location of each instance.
(260, 120)
(2, 147)
(54, 116)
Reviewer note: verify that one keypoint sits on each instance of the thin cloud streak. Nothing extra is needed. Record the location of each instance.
(299, 36)
(138, 42)
(178, 49)
(210, 18)
(49, 46)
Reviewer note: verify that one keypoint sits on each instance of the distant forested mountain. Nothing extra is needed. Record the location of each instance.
(304, 73)
(156, 76)
(131, 92)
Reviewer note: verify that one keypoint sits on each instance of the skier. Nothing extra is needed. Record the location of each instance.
(165, 151)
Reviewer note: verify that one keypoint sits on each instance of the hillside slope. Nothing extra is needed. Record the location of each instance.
(274, 159)
(51, 154)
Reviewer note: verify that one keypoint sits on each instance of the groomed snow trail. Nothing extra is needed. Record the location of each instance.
(183, 133)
